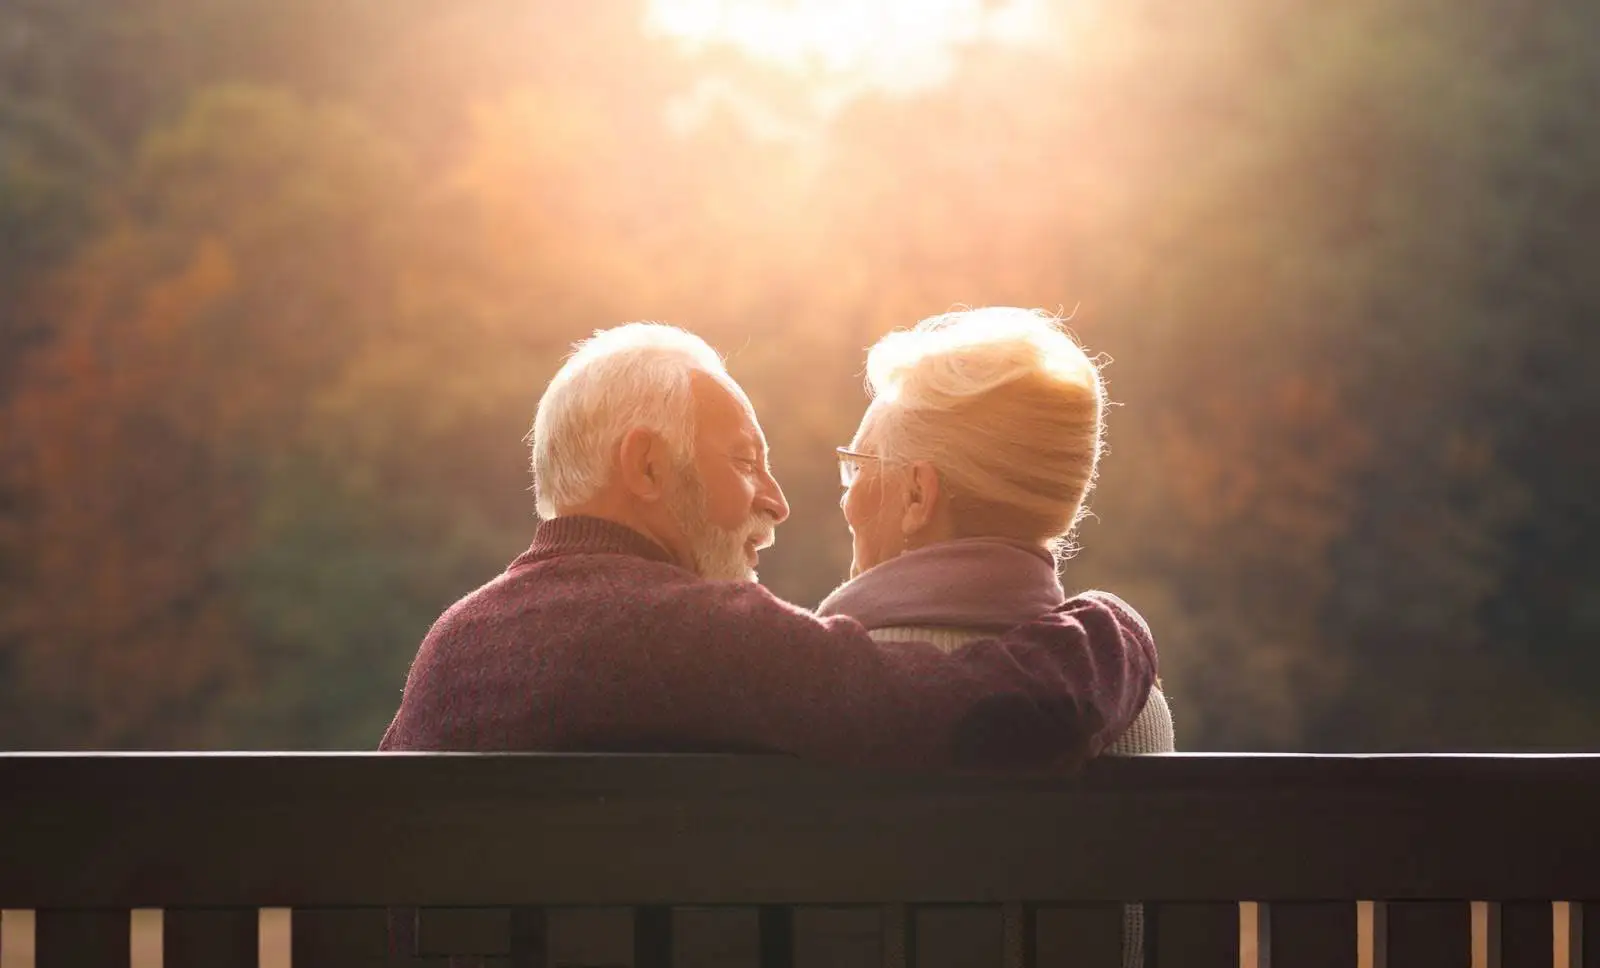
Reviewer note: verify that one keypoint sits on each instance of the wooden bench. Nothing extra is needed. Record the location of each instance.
(545, 860)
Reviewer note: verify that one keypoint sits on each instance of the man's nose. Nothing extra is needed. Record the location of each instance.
(771, 501)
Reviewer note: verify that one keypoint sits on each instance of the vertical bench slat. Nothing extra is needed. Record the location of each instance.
(1078, 936)
(1428, 934)
(16, 936)
(339, 937)
(1255, 935)
(70, 939)
(463, 931)
(1191, 935)
(1020, 935)
(276, 937)
(1583, 930)
(1313, 935)
(652, 936)
(899, 933)
(530, 937)
(146, 928)
(1485, 917)
(1527, 934)
(958, 936)
(589, 935)
(1372, 932)
(210, 937)
(837, 937)
(1566, 934)
(775, 933)
(716, 937)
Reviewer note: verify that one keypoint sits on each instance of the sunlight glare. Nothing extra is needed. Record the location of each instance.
(891, 44)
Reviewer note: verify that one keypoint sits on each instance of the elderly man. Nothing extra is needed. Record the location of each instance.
(634, 621)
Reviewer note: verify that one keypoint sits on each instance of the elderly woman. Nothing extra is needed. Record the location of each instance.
(963, 484)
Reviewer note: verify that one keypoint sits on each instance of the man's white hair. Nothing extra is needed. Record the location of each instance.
(636, 375)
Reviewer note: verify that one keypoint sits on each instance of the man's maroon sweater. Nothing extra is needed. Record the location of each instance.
(593, 640)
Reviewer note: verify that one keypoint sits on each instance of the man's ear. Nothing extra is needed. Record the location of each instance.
(922, 497)
(643, 463)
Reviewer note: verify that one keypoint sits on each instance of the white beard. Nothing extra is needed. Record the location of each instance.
(718, 553)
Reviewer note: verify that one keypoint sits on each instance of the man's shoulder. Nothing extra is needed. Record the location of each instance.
(589, 574)
(612, 585)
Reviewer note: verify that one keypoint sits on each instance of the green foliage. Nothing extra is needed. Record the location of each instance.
(333, 580)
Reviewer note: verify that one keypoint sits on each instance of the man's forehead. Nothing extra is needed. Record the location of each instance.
(721, 404)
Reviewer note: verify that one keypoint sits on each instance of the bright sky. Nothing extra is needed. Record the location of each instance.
(892, 43)
(846, 47)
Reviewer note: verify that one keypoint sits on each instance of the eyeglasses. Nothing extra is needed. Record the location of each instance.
(850, 464)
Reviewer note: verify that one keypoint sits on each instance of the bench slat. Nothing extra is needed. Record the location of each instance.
(1077, 936)
(837, 937)
(1583, 928)
(652, 936)
(775, 933)
(716, 937)
(1312, 935)
(1526, 935)
(1428, 934)
(211, 937)
(463, 931)
(958, 936)
(1192, 935)
(70, 939)
(319, 830)
(589, 936)
(530, 937)
(339, 938)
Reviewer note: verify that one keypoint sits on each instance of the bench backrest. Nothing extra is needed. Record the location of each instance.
(1309, 860)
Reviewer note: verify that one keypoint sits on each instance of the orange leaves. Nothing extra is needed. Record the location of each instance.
(129, 517)
(209, 277)
(1223, 510)
(189, 340)
(1285, 458)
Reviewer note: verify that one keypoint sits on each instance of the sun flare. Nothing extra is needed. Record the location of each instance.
(893, 44)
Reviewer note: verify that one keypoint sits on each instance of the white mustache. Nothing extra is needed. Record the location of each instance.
(762, 536)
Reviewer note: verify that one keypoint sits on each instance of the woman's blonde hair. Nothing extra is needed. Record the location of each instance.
(1005, 405)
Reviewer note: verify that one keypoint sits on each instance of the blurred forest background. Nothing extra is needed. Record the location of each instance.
(281, 283)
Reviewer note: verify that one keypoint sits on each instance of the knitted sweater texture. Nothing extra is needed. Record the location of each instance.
(594, 640)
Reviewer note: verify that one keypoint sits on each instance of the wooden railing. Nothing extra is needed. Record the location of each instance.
(1300, 861)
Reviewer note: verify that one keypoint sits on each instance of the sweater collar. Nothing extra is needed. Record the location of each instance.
(580, 535)
(977, 583)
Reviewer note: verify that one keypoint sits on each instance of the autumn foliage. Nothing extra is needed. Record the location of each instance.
(279, 291)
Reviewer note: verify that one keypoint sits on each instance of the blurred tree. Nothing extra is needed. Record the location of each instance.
(190, 338)
(1463, 568)
(293, 309)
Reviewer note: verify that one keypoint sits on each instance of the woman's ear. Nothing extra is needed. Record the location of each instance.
(643, 464)
(922, 497)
